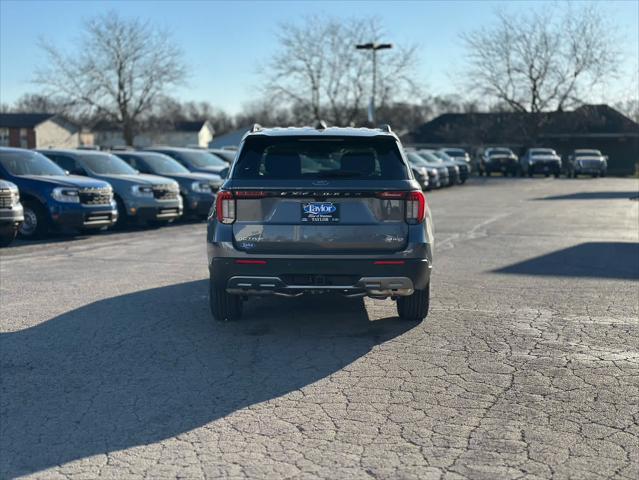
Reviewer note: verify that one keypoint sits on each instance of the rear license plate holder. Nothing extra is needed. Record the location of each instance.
(320, 212)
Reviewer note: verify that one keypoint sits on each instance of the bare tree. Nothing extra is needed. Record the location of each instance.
(321, 75)
(545, 60)
(121, 67)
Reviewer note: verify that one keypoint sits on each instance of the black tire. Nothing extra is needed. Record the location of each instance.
(36, 221)
(7, 235)
(225, 307)
(602, 174)
(123, 218)
(594, 175)
(556, 174)
(488, 172)
(529, 174)
(414, 307)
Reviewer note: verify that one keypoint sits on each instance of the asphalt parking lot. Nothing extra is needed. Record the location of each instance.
(528, 365)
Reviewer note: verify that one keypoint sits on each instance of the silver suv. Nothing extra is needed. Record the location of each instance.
(320, 210)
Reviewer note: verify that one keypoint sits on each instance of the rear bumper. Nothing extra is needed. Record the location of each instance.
(293, 277)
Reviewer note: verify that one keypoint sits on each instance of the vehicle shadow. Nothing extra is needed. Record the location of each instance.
(594, 196)
(142, 367)
(618, 260)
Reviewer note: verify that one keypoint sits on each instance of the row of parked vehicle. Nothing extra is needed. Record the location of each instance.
(88, 189)
(544, 161)
(439, 168)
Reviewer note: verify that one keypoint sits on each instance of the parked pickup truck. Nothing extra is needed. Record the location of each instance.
(140, 198)
(586, 162)
(53, 199)
(197, 189)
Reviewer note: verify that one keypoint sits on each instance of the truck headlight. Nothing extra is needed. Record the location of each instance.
(15, 196)
(67, 195)
(142, 191)
(201, 187)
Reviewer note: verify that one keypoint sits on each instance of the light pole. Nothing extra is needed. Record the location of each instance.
(373, 47)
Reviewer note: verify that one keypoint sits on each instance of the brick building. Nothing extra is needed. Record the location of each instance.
(37, 130)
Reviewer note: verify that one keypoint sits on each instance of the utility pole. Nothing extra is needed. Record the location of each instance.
(373, 47)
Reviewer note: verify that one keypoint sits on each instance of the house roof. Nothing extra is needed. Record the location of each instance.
(596, 120)
(186, 126)
(23, 120)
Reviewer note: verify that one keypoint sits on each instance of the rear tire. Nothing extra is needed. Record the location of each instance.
(414, 307)
(225, 307)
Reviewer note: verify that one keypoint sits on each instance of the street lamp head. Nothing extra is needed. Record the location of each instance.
(383, 46)
(365, 46)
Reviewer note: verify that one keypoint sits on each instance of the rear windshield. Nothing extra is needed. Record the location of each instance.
(28, 163)
(542, 151)
(327, 157)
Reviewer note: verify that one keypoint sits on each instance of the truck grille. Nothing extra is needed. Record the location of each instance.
(96, 196)
(6, 199)
(164, 192)
(589, 163)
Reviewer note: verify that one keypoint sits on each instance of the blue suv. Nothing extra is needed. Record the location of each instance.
(53, 199)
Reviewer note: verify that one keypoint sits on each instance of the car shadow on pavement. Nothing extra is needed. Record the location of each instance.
(594, 196)
(618, 260)
(145, 366)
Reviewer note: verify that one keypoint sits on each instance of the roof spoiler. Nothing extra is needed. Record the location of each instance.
(385, 127)
(256, 128)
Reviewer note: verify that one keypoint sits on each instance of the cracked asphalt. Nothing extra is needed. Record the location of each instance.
(527, 367)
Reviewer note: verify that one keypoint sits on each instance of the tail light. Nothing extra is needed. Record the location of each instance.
(225, 207)
(415, 207)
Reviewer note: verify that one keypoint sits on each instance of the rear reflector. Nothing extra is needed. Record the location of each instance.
(391, 195)
(250, 262)
(388, 262)
(250, 194)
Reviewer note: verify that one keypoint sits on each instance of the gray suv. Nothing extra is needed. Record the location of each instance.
(320, 210)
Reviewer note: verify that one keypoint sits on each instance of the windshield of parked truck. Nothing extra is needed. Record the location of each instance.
(161, 164)
(587, 153)
(200, 159)
(500, 151)
(429, 156)
(106, 164)
(320, 158)
(542, 151)
(21, 163)
(455, 152)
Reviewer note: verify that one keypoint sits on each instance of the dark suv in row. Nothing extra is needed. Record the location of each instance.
(320, 210)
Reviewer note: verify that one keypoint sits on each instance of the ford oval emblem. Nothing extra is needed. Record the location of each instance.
(320, 183)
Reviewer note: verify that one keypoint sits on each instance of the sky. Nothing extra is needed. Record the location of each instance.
(225, 42)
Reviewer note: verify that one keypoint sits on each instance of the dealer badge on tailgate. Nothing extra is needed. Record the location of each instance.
(320, 212)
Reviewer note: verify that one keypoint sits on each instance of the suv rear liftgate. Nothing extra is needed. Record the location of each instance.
(320, 213)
